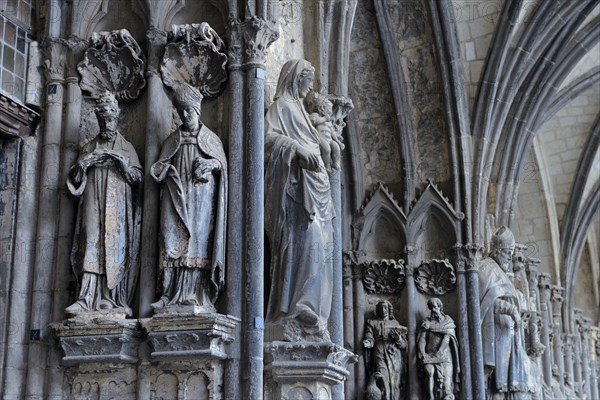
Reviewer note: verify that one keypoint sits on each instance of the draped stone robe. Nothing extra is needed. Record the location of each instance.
(193, 215)
(107, 232)
(298, 209)
(503, 343)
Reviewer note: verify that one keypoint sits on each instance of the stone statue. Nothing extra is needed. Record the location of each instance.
(300, 212)
(105, 249)
(438, 353)
(385, 338)
(506, 364)
(321, 114)
(193, 171)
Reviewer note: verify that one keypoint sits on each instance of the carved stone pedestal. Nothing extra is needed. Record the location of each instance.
(92, 338)
(304, 370)
(188, 352)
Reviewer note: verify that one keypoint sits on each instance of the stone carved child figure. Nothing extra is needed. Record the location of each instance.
(321, 116)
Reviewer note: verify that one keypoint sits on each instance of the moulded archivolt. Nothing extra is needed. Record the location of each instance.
(114, 63)
(197, 56)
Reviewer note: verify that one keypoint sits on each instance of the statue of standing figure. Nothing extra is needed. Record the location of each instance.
(438, 353)
(192, 169)
(105, 250)
(506, 364)
(299, 220)
(385, 338)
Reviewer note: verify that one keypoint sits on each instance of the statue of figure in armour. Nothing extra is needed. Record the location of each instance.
(438, 353)
(105, 250)
(192, 169)
(506, 364)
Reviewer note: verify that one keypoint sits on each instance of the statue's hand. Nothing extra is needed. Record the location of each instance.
(307, 160)
(203, 168)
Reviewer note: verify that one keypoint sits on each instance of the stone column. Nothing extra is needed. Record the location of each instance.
(336, 318)
(411, 322)
(348, 277)
(258, 34)
(463, 327)
(578, 368)
(47, 227)
(70, 146)
(585, 332)
(359, 329)
(532, 268)
(158, 119)
(568, 360)
(544, 283)
(235, 208)
(158, 126)
(557, 297)
(594, 361)
(472, 255)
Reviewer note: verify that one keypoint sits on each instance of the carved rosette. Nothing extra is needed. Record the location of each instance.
(384, 276)
(195, 55)
(435, 277)
(113, 63)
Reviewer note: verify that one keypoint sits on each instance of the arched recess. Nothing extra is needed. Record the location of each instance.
(107, 15)
(380, 228)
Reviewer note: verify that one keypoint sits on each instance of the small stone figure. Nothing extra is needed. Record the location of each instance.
(105, 248)
(386, 339)
(321, 109)
(506, 364)
(438, 353)
(193, 171)
(300, 211)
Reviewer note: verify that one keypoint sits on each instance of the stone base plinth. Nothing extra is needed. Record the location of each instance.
(189, 336)
(304, 370)
(88, 339)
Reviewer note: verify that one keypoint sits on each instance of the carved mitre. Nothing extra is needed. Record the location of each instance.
(107, 104)
(113, 63)
(195, 55)
(503, 239)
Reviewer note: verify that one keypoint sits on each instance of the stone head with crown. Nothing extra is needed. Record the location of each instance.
(188, 101)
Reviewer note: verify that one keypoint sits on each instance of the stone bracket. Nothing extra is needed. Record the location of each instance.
(192, 336)
(99, 340)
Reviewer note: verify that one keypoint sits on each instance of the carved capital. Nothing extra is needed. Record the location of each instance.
(470, 256)
(544, 282)
(235, 46)
(55, 59)
(77, 47)
(157, 39)
(258, 34)
(557, 295)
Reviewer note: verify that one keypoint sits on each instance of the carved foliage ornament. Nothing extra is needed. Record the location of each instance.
(384, 276)
(113, 63)
(435, 277)
(195, 55)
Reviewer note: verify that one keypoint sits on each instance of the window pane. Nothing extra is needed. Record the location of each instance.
(8, 83)
(20, 65)
(10, 33)
(8, 61)
(19, 88)
(21, 41)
